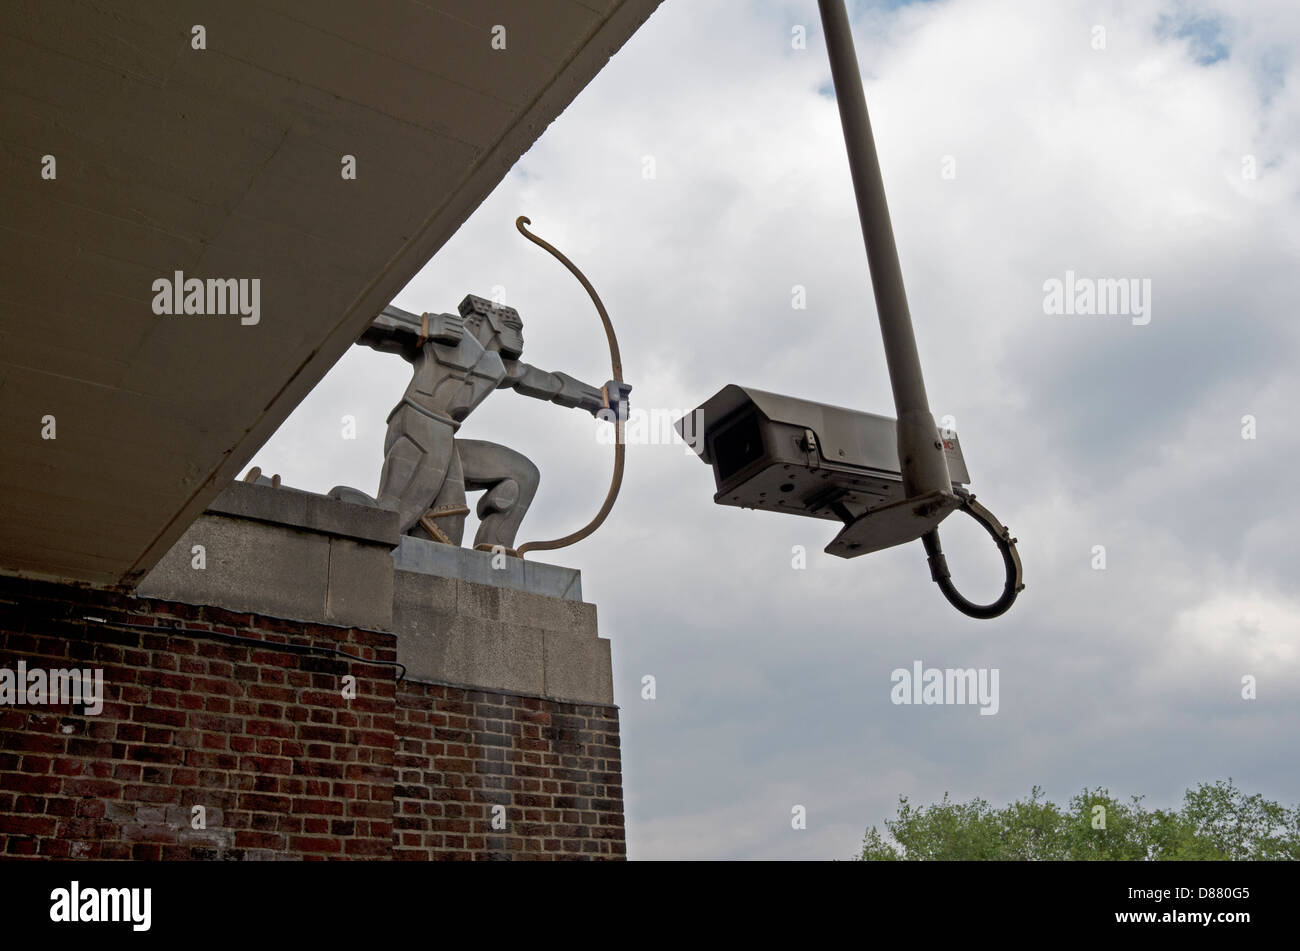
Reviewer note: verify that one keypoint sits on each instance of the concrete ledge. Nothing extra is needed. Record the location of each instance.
(432, 558)
(277, 571)
(455, 631)
(307, 510)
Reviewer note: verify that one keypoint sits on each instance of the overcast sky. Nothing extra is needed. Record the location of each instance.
(773, 684)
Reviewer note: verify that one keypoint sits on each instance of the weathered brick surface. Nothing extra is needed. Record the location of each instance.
(284, 764)
(552, 768)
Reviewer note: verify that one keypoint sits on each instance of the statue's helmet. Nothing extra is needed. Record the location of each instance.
(505, 324)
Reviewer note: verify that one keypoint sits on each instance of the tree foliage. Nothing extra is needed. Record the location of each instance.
(1216, 822)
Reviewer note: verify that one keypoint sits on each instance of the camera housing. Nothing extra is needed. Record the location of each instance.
(782, 454)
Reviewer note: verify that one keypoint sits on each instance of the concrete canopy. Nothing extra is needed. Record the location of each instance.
(226, 162)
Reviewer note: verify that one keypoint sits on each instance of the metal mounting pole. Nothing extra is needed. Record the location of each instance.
(920, 453)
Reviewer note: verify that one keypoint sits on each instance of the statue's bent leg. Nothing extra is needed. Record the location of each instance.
(418, 452)
(511, 481)
(452, 495)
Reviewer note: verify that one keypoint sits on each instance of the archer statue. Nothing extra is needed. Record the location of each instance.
(457, 360)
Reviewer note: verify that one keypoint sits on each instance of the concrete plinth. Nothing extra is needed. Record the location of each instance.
(461, 617)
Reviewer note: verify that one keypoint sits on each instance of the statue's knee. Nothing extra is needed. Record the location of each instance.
(528, 477)
(502, 497)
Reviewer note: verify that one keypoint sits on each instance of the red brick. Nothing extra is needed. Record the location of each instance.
(302, 843)
(295, 769)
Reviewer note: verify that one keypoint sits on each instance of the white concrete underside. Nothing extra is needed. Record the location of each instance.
(225, 163)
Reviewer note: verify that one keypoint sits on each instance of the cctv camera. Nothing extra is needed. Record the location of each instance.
(782, 454)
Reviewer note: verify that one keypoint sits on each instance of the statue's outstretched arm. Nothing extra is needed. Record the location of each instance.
(555, 387)
(562, 388)
(399, 331)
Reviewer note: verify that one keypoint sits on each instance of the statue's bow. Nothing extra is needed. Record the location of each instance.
(616, 368)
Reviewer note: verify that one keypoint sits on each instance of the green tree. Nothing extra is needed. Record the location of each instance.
(1217, 821)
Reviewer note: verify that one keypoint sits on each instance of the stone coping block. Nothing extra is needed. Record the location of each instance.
(307, 510)
(460, 632)
(277, 571)
(432, 558)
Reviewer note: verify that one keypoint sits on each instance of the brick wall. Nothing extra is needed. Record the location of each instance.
(554, 767)
(264, 738)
